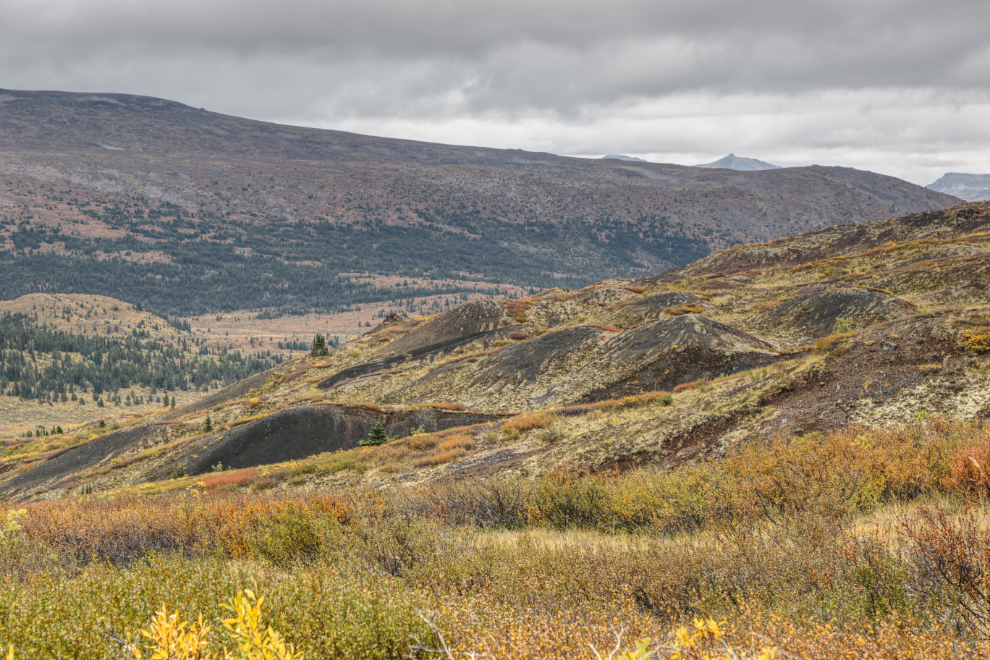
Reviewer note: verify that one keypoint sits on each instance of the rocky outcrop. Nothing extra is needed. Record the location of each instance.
(301, 432)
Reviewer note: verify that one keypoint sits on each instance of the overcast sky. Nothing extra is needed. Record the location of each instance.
(900, 87)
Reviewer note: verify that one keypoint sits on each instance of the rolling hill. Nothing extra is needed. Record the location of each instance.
(187, 212)
(870, 325)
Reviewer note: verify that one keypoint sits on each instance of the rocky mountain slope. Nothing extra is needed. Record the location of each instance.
(241, 214)
(873, 324)
(971, 187)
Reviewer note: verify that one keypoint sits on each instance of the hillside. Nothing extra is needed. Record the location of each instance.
(66, 360)
(137, 198)
(873, 324)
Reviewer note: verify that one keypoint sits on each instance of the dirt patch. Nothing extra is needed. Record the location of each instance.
(469, 319)
(816, 315)
(526, 362)
(663, 354)
(77, 459)
(876, 368)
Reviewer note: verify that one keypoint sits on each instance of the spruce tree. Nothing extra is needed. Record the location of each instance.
(319, 346)
(378, 436)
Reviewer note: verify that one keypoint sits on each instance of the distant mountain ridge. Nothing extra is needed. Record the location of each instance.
(188, 211)
(970, 187)
(623, 157)
(734, 162)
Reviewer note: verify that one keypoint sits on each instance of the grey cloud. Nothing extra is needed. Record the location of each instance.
(872, 82)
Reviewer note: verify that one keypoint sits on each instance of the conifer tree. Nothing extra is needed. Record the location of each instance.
(319, 346)
(378, 436)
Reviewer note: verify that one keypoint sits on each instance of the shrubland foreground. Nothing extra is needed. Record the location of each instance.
(858, 543)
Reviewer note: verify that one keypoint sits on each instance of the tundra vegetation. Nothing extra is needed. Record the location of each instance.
(856, 543)
(799, 469)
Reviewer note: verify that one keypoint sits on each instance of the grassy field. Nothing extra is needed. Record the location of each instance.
(865, 544)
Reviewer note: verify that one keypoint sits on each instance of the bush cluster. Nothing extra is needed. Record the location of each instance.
(860, 543)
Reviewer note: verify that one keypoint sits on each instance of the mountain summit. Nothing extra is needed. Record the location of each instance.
(734, 162)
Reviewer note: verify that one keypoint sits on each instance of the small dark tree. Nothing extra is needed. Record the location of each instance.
(378, 436)
(319, 346)
(208, 424)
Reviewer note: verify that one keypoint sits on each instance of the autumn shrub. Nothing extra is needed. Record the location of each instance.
(683, 387)
(565, 501)
(952, 564)
(776, 537)
(969, 471)
(487, 503)
(325, 611)
(517, 309)
(833, 342)
(977, 340)
(516, 426)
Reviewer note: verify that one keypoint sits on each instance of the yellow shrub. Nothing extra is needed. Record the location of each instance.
(977, 340)
(831, 342)
(171, 639)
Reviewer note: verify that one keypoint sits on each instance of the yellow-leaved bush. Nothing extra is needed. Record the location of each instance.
(168, 638)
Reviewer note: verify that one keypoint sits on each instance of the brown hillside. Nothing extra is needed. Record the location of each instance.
(885, 331)
(153, 184)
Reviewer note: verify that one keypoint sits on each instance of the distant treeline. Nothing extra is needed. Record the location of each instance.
(54, 365)
(211, 272)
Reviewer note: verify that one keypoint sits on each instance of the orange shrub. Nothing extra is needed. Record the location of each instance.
(528, 422)
(517, 310)
(969, 471)
(421, 442)
(446, 405)
(830, 342)
(439, 458)
(460, 440)
(229, 479)
(688, 386)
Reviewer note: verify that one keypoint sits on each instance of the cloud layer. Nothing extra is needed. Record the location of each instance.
(895, 86)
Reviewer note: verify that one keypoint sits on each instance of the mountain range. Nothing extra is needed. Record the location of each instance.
(185, 211)
(971, 187)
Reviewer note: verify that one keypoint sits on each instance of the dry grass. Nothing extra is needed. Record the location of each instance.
(821, 546)
(685, 309)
